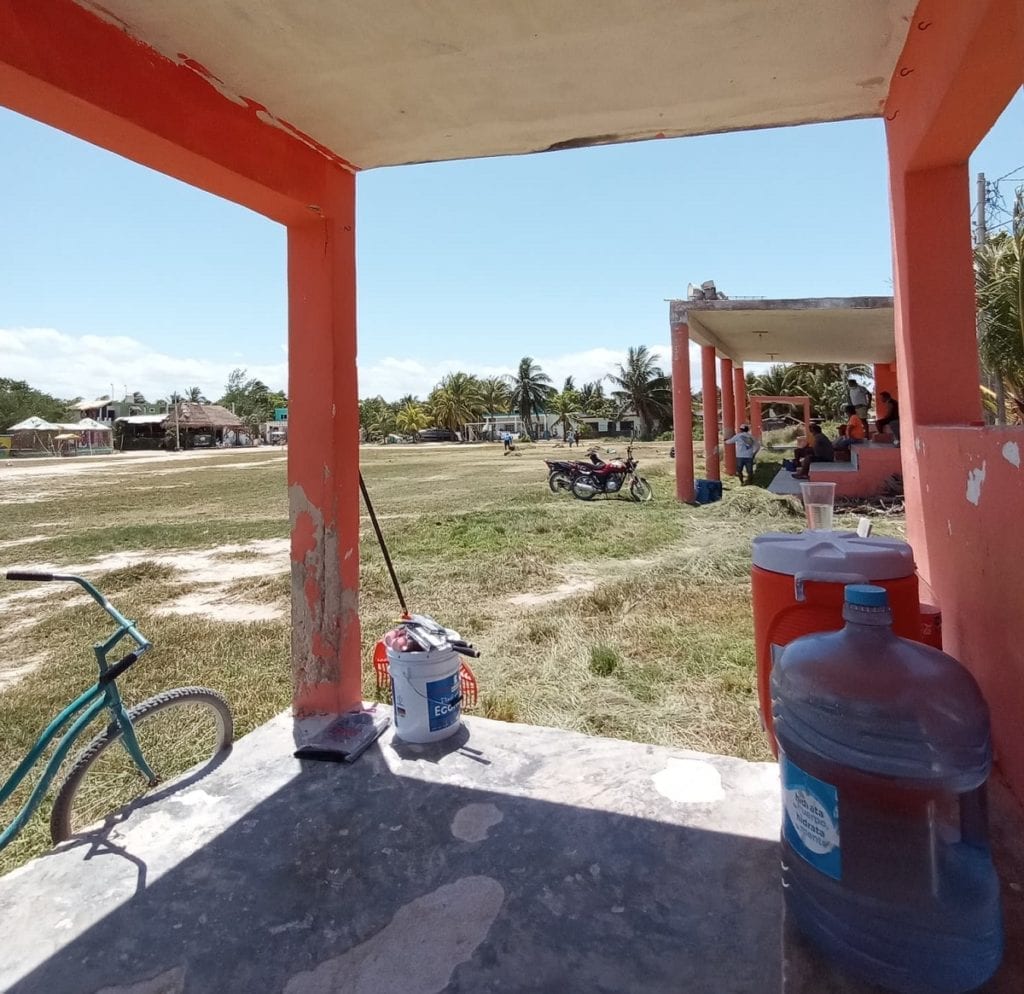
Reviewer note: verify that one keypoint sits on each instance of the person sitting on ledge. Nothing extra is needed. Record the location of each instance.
(820, 450)
(890, 423)
(854, 430)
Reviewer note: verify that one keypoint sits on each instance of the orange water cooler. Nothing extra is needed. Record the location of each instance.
(798, 583)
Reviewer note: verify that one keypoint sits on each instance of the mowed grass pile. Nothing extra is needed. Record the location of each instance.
(635, 620)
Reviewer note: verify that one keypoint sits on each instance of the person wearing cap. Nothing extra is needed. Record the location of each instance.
(746, 448)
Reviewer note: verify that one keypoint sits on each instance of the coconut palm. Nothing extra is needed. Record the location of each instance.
(195, 396)
(455, 401)
(494, 392)
(999, 287)
(592, 398)
(643, 388)
(566, 407)
(530, 390)
(411, 418)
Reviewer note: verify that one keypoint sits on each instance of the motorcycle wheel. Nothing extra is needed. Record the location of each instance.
(559, 482)
(583, 488)
(640, 490)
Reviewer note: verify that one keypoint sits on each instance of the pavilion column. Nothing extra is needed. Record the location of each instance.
(885, 379)
(323, 453)
(682, 412)
(755, 418)
(709, 391)
(728, 416)
(739, 378)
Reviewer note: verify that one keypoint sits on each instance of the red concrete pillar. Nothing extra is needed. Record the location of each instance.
(885, 379)
(323, 453)
(755, 418)
(709, 390)
(728, 416)
(739, 385)
(682, 412)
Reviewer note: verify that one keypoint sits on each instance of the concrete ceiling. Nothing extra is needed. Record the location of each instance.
(821, 329)
(381, 82)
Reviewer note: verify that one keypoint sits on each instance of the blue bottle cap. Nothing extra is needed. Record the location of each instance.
(867, 595)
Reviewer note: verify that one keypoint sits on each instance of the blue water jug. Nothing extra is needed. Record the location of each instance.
(884, 755)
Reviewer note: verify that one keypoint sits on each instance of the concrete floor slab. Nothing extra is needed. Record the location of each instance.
(510, 858)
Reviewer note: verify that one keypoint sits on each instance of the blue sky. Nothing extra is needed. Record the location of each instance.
(115, 276)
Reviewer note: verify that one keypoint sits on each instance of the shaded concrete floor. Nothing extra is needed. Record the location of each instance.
(511, 858)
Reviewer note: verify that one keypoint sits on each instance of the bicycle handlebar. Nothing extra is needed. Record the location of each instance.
(15, 574)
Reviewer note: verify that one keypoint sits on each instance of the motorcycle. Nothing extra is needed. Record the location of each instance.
(562, 472)
(612, 478)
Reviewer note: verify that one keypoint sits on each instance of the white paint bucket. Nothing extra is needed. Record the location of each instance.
(426, 693)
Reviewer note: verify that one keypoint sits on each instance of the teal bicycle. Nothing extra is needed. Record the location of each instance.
(156, 742)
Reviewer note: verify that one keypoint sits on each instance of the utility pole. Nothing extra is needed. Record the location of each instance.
(980, 237)
(177, 430)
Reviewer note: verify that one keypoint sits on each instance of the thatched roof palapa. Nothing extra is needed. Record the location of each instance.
(202, 416)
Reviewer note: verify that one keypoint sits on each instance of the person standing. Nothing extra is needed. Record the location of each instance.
(747, 447)
(860, 398)
(506, 438)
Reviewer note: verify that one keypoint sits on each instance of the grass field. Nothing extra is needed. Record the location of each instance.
(608, 617)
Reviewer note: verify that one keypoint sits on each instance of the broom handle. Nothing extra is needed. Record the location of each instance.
(383, 546)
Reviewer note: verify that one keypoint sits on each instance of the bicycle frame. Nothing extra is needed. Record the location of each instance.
(81, 711)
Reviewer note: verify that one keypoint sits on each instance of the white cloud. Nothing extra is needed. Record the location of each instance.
(89, 365)
(76, 366)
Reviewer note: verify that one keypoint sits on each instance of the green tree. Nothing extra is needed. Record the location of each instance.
(494, 392)
(193, 396)
(530, 390)
(593, 400)
(376, 418)
(19, 401)
(643, 388)
(566, 405)
(999, 288)
(411, 418)
(455, 401)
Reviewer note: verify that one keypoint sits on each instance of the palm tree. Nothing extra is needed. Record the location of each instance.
(495, 394)
(643, 388)
(530, 390)
(999, 287)
(456, 400)
(569, 384)
(411, 418)
(567, 406)
(195, 396)
(592, 398)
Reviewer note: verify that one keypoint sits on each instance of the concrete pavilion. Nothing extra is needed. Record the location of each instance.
(732, 332)
(277, 105)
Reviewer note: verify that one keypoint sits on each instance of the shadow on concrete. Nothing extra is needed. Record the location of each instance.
(590, 900)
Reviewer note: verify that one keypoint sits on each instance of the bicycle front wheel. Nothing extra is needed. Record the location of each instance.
(180, 732)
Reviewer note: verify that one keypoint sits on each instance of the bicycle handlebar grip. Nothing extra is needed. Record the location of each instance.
(15, 574)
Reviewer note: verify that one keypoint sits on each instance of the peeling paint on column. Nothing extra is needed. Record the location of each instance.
(975, 479)
(323, 611)
(1011, 453)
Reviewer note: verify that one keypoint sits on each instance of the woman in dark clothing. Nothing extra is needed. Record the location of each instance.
(820, 450)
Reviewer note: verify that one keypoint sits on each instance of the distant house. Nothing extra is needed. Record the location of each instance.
(186, 425)
(107, 411)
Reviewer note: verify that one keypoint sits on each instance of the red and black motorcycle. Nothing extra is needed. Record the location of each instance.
(562, 472)
(613, 477)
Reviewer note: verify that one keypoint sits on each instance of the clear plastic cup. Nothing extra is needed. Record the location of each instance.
(819, 501)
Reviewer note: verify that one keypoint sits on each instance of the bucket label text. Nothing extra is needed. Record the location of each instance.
(811, 819)
(444, 702)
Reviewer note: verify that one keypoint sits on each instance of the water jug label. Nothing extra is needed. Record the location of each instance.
(811, 819)
(443, 700)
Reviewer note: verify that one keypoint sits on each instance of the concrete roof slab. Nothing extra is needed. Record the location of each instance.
(819, 329)
(382, 82)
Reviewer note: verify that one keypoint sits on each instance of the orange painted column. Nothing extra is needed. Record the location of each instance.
(323, 453)
(728, 416)
(755, 418)
(709, 391)
(682, 412)
(739, 389)
(885, 379)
